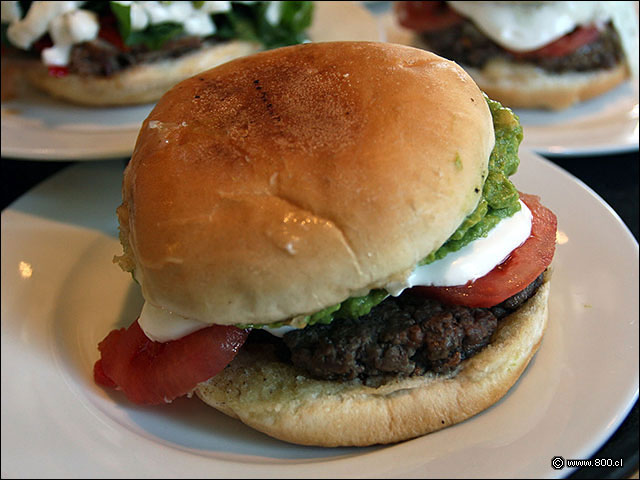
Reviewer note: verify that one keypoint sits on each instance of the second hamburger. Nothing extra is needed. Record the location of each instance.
(531, 54)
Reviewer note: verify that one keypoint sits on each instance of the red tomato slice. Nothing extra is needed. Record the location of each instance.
(109, 31)
(564, 45)
(151, 372)
(100, 377)
(425, 16)
(520, 269)
(57, 71)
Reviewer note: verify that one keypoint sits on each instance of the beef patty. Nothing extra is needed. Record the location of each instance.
(467, 45)
(402, 336)
(101, 58)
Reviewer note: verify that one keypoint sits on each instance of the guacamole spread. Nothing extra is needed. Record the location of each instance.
(499, 200)
(499, 196)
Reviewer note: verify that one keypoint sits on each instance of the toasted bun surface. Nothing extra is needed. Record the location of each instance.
(285, 182)
(144, 83)
(281, 401)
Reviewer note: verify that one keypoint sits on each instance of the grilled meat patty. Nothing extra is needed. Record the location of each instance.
(467, 45)
(402, 336)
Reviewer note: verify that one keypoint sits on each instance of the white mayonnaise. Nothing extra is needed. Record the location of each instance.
(22, 33)
(531, 25)
(279, 331)
(216, 7)
(273, 13)
(199, 24)
(474, 260)
(72, 27)
(469, 263)
(161, 325)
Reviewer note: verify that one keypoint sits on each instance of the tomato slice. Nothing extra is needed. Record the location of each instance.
(110, 32)
(151, 372)
(564, 45)
(58, 71)
(425, 16)
(520, 269)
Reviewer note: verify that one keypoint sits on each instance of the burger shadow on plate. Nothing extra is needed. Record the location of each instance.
(188, 423)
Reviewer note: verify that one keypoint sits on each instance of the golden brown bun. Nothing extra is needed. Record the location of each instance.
(285, 182)
(281, 401)
(144, 83)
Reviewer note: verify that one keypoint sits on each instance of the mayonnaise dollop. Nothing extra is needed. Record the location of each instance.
(23, 32)
(475, 259)
(161, 325)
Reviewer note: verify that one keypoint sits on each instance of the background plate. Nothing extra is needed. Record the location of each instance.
(607, 124)
(61, 295)
(38, 127)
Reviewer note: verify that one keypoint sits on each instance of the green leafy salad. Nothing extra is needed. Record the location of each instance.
(249, 21)
(271, 24)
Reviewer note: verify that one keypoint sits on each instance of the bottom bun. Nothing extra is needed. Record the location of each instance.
(144, 83)
(526, 86)
(281, 401)
(519, 85)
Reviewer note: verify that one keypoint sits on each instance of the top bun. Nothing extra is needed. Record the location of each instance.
(282, 183)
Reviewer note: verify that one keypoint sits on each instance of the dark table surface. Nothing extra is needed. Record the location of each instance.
(614, 178)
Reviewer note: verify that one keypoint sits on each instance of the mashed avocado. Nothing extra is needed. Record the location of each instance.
(352, 307)
(499, 196)
(499, 200)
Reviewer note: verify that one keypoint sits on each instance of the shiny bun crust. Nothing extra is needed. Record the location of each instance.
(282, 402)
(144, 83)
(282, 183)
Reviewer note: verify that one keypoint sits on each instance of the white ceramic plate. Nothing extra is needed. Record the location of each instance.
(38, 127)
(604, 125)
(61, 295)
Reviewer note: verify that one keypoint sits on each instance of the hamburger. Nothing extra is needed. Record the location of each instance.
(329, 246)
(123, 53)
(547, 55)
